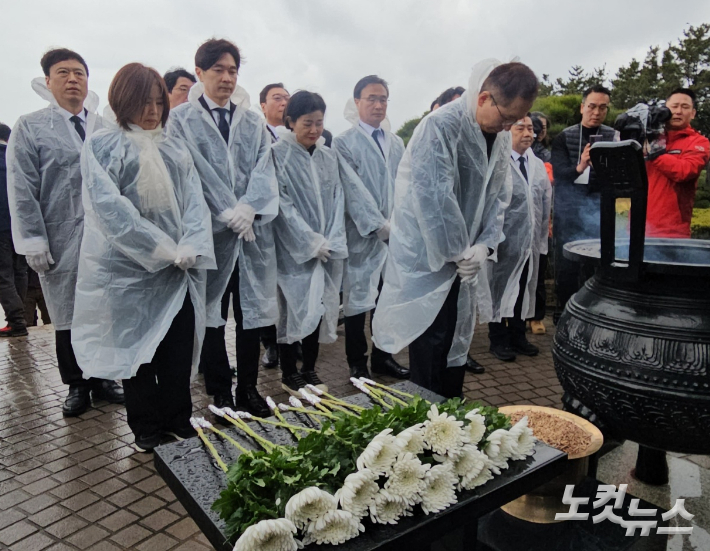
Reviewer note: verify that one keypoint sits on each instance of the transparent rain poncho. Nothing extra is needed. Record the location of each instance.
(239, 172)
(367, 206)
(311, 213)
(144, 209)
(525, 230)
(448, 196)
(44, 190)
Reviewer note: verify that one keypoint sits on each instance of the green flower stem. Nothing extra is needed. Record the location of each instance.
(281, 418)
(212, 449)
(263, 442)
(382, 394)
(343, 403)
(311, 412)
(390, 389)
(229, 439)
(285, 424)
(374, 394)
(335, 406)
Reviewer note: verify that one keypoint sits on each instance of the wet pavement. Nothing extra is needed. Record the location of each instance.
(76, 483)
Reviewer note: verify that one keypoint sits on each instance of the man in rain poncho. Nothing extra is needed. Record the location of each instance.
(451, 191)
(44, 189)
(232, 153)
(506, 288)
(374, 154)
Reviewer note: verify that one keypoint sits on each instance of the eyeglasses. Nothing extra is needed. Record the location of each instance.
(603, 108)
(279, 99)
(506, 122)
(382, 100)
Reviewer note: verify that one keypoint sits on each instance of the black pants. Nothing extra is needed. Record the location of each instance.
(541, 290)
(214, 360)
(511, 330)
(428, 352)
(309, 346)
(268, 336)
(356, 342)
(13, 282)
(35, 300)
(158, 396)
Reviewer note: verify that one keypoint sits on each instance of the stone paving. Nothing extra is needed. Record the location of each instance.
(76, 483)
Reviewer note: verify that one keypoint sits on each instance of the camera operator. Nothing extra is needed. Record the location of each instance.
(576, 198)
(674, 171)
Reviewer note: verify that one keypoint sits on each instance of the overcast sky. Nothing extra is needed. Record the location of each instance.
(419, 47)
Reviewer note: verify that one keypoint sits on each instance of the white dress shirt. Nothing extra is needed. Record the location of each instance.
(381, 138)
(515, 155)
(215, 114)
(68, 115)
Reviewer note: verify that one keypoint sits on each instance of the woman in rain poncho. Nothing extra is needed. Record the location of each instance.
(310, 239)
(140, 301)
(452, 187)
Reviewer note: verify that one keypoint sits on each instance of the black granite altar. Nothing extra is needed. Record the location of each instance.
(194, 477)
(499, 531)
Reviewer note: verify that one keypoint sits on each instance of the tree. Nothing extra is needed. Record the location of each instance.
(407, 129)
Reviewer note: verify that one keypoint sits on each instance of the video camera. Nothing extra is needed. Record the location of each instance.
(643, 122)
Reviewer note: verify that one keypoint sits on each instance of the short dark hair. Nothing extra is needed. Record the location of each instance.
(172, 76)
(596, 89)
(511, 80)
(268, 88)
(210, 51)
(448, 95)
(302, 103)
(433, 103)
(130, 89)
(686, 91)
(365, 81)
(52, 57)
(4, 132)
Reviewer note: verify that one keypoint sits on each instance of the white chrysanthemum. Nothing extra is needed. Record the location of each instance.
(358, 492)
(524, 439)
(380, 453)
(440, 488)
(468, 465)
(269, 535)
(484, 476)
(501, 447)
(334, 527)
(412, 439)
(309, 504)
(476, 427)
(406, 479)
(388, 509)
(443, 434)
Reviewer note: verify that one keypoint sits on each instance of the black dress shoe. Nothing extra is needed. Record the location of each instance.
(525, 348)
(390, 367)
(503, 352)
(77, 402)
(145, 443)
(473, 366)
(250, 400)
(270, 358)
(223, 401)
(359, 371)
(110, 391)
(182, 433)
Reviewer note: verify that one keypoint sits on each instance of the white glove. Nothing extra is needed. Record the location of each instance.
(323, 253)
(383, 234)
(185, 262)
(39, 262)
(242, 218)
(248, 235)
(472, 261)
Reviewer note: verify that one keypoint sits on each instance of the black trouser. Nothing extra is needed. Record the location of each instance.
(309, 346)
(69, 370)
(511, 330)
(356, 342)
(428, 352)
(541, 290)
(13, 282)
(34, 300)
(158, 396)
(268, 336)
(214, 360)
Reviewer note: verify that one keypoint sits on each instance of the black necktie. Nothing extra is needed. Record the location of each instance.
(521, 160)
(376, 133)
(78, 127)
(223, 124)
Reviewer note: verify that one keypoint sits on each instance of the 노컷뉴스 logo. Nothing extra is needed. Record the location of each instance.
(605, 494)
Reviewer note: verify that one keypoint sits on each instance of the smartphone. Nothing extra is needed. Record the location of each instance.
(594, 138)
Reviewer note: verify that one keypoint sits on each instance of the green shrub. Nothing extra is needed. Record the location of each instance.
(700, 224)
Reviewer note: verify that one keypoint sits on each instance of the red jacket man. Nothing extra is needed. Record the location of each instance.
(673, 176)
